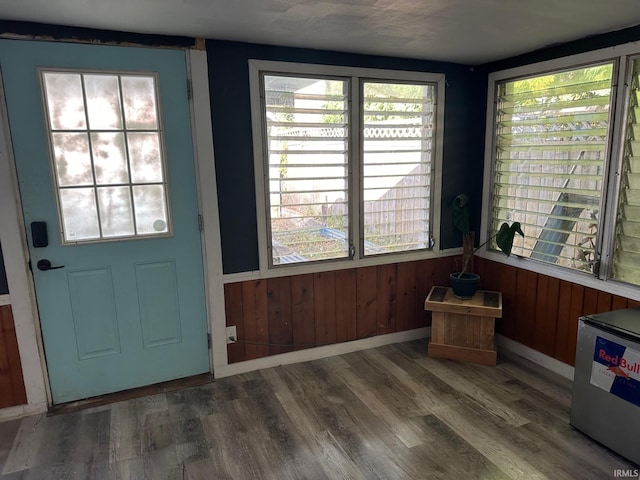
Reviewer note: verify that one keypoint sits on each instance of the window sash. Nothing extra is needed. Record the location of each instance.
(307, 146)
(397, 150)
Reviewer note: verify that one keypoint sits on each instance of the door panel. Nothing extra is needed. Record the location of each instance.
(124, 312)
(158, 294)
(93, 309)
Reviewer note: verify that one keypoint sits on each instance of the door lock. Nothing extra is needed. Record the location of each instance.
(45, 265)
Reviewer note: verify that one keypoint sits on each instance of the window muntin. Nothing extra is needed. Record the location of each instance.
(626, 255)
(106, 145)
(397, 154)
(551, 143)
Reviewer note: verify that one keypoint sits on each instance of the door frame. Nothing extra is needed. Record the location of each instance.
(16, 254)
(202, 131)
(19, 279)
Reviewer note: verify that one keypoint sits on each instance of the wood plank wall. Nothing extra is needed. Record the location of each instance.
(330, 307)
(539, 311)
(542, 312)
(12, 391)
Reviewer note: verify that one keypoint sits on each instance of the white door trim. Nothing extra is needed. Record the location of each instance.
(21, 289)
(208, 200)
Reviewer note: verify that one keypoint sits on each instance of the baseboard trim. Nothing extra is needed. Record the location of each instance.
(19, 411)
(506, 346)
(511, 347)
(320, 352)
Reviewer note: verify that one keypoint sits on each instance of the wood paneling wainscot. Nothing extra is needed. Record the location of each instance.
(12, 391)
(302, 311)
(542, 312)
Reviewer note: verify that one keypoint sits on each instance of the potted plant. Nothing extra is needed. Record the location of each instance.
(464, 283)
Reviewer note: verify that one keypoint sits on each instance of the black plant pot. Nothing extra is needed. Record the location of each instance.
(465, 285)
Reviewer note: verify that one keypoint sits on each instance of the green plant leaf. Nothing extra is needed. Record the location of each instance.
(505, 236)
(460, 214)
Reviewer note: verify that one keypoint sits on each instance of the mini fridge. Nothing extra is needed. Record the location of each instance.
(606, 385)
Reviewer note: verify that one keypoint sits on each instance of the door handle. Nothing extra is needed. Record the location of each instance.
(45, 265)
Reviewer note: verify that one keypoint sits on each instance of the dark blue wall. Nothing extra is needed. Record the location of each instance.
(231, 116)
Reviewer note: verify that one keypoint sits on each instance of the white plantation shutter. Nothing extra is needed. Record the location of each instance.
(626, 259)
(551, 138)
(398, 147)
(307, 174)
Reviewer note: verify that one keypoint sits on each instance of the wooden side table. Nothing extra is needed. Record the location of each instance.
(463, 329)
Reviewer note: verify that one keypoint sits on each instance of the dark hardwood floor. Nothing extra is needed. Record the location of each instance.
(385, 413)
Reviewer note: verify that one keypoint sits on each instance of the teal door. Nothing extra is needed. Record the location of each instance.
(103, 151)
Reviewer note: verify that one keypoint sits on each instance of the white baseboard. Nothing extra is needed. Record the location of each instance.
(320, 352)
(506, 346)
(11, 413)
(513, 347)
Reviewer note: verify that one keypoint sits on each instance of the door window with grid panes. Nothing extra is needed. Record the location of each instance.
(107, 153)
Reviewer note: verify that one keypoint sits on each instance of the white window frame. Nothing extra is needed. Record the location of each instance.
(52, 162)
(621, 56)
(356, 75)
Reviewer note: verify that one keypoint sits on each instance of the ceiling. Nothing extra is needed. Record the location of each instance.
(463, 31)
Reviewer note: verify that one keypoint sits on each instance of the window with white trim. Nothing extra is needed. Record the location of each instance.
(565, 163)
(626, 248)
(106, 148)
(347, 162)
(551, 140)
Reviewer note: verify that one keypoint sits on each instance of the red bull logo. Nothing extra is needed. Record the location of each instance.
(616, 369)
(619, 365)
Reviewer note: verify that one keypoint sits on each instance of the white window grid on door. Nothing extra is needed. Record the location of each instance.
(107, 154)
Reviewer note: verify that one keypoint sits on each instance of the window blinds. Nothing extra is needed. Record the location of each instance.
(551, 140)
(307, 138)
(397, 158)
(626, 259)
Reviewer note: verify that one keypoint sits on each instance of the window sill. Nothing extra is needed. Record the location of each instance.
(331, 266)
(584, 279)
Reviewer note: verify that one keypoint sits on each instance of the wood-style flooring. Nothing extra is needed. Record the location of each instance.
(385, 413)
